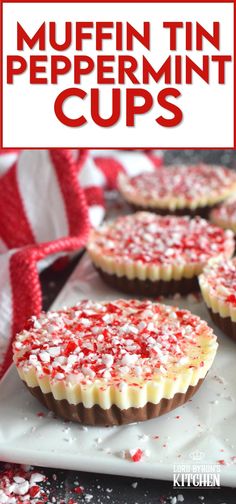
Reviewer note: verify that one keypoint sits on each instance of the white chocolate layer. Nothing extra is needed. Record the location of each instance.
(141, 271)
(124, 396)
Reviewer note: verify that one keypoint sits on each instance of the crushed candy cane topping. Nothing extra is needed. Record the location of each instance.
(153, 240)
(113, 342)
(191, 182)
(220, 279)
(18, 486)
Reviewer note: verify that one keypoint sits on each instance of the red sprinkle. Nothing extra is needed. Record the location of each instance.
(231, 299)
(221, 462)
(70, 348)
(34, 490)
(79, 490)
(137, 456)
(40, 414)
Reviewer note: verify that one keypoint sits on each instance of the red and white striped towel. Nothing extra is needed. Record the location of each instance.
(48, 201)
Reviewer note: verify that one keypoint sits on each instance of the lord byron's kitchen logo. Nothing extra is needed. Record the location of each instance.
(196, 473)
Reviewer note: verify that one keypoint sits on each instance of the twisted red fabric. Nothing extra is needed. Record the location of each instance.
(23, 245)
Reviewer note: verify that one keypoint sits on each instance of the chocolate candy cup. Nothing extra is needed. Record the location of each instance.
(147, 288)
(114, 415)
(226, 324)
(203, 212)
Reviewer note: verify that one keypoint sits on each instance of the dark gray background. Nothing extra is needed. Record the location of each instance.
(225, 157)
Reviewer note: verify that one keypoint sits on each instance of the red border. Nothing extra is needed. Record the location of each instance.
(234, 63)
(117, 1)
(1, 75)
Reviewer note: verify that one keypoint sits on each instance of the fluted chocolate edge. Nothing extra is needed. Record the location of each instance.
(149, 288)
(226, 324)
(203, 212)
(114, 415)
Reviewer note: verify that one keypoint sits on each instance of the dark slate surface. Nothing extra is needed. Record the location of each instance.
(225, 157)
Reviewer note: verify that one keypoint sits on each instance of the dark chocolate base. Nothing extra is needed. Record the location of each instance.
(225, 324)
(114, 415)
(147, 288)
(203, 212)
